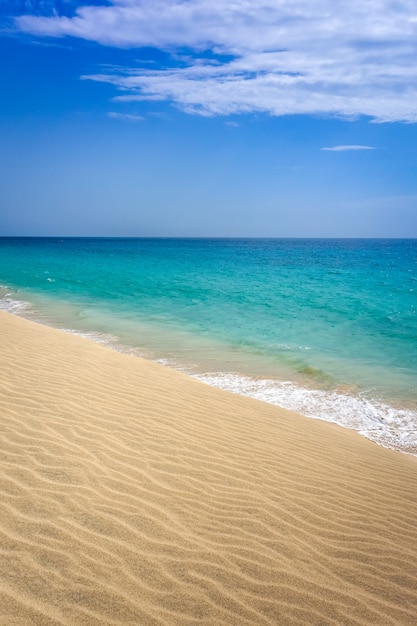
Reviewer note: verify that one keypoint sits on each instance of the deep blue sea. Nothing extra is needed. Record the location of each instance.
(325, 327)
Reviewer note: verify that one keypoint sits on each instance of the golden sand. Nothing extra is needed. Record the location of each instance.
(132, 494)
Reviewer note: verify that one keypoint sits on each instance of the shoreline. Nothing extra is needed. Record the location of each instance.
(389, 425)
(132, 493)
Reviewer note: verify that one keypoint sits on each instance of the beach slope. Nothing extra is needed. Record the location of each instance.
(133, 494)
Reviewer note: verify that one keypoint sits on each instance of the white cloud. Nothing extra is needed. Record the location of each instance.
(327, 57)
(347, 148)
(128, 117)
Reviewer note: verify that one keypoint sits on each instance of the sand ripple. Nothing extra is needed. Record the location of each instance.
(131, 494)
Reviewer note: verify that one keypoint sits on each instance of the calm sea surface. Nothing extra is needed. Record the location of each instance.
(325, 327)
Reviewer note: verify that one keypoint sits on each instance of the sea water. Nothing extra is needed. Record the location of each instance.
(325, 327)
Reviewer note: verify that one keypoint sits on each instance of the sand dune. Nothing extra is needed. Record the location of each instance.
(132, 494)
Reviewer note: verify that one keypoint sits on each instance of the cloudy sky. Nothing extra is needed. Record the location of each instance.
(282, 118)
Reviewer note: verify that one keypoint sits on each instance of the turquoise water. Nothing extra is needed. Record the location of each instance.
(326, 327)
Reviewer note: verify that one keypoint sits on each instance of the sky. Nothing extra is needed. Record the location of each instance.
(197, 118)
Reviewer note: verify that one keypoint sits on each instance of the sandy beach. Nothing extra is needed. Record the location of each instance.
(133, 494)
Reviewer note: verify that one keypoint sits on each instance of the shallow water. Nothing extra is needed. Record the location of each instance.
(325, 327)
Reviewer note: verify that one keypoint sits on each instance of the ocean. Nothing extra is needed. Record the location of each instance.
(326, 327)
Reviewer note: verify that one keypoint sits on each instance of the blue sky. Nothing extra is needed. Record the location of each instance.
(280, 118)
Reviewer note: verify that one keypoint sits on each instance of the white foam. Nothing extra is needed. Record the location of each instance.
(7, 303)
(379, 422)
(105, 339)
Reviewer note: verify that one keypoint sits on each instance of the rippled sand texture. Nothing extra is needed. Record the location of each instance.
(131, 494)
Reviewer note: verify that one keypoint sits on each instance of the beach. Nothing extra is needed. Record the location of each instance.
(134, 494)
(325, 328)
